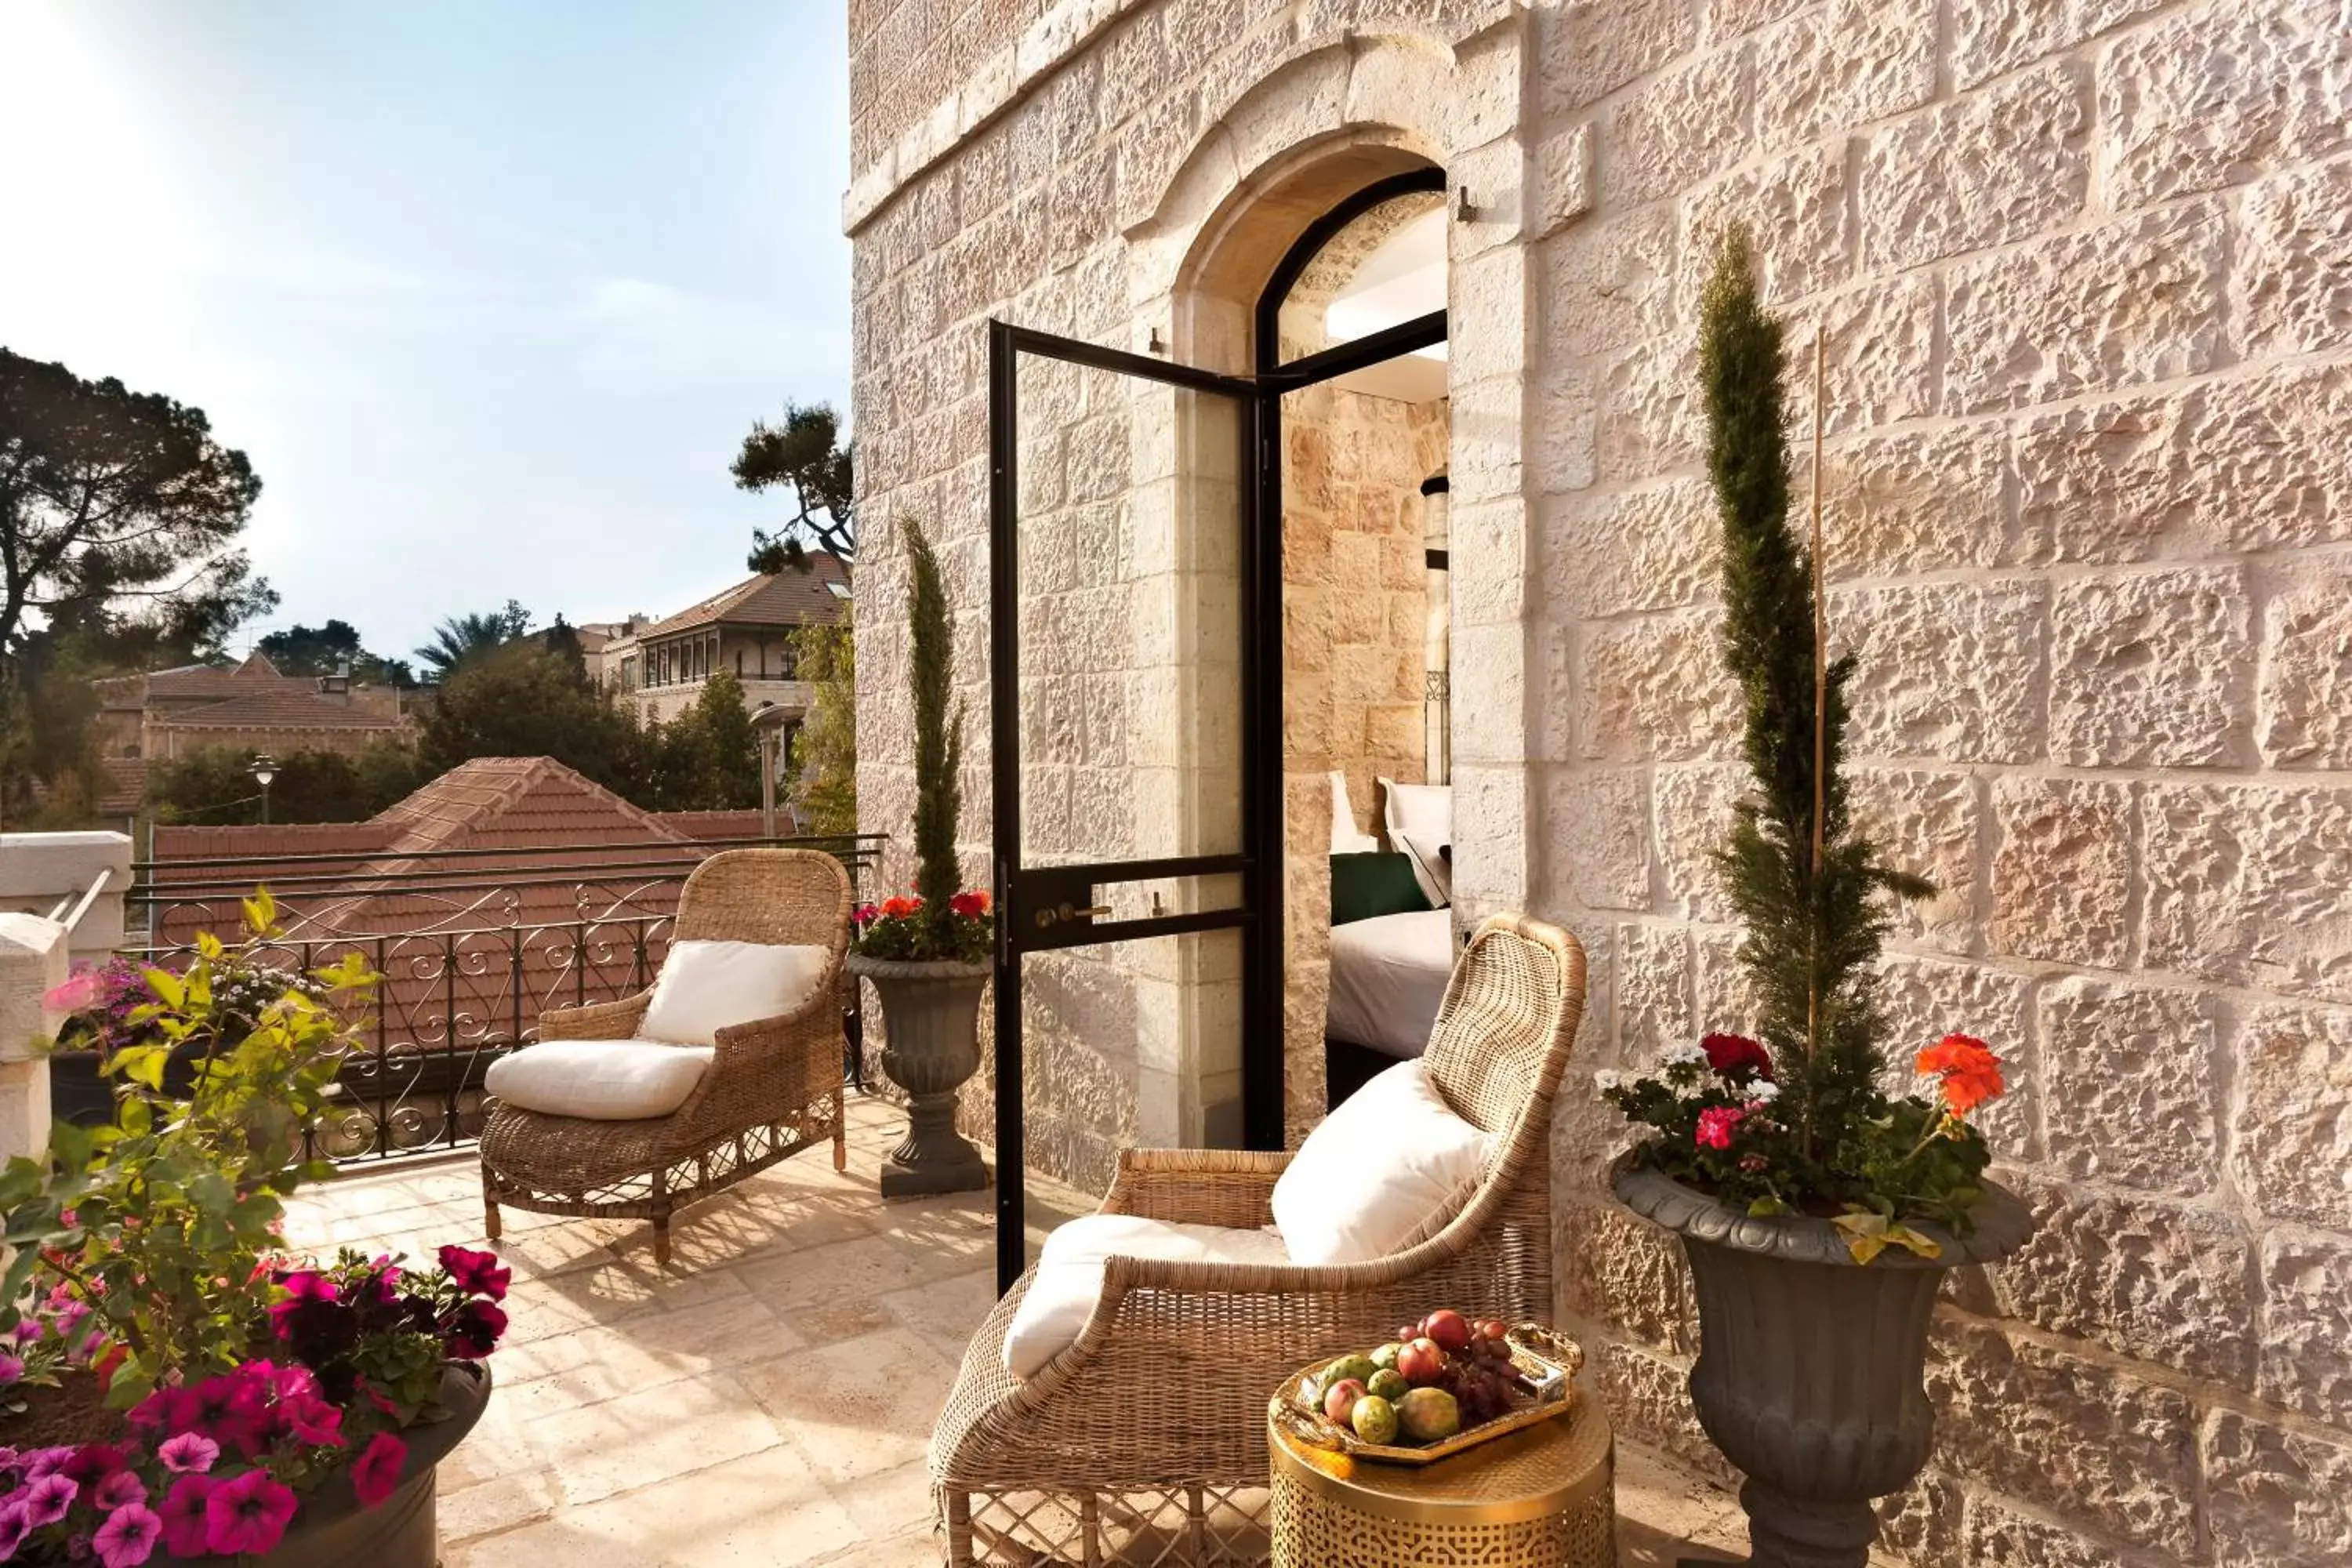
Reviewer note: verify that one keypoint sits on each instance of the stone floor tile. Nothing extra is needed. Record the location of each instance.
(890, 1504)
(857, 1407)
(748, 1512)
(500, 1503)
(679, 1428)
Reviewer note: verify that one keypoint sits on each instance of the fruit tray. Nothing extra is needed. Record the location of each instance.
(1546, 1364)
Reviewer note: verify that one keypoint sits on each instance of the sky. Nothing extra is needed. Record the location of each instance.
(490, 293)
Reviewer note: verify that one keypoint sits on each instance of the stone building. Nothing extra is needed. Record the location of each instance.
(745, 629)
(2082, 274)
(168, 714)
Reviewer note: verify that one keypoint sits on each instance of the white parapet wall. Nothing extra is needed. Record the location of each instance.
(41, 871)
(33, 961)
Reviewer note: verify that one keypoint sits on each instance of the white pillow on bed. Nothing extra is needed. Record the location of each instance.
(1391, 1159)
(1426, 810)
(1344, 839)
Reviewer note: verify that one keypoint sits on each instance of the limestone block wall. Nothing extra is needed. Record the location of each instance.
(2084, 276)
(2084, 269)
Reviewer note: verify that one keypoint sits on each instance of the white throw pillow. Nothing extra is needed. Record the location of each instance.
(706, 986)
(1069, 1277)
(1391, 1159)
(1426, 810)
(603, 1080)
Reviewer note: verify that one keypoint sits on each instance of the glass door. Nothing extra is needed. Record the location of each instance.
(1136, 810)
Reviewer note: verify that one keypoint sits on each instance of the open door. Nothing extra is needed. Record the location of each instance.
(1137, 800)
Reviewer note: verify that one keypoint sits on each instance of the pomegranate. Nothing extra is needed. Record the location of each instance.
(1422, 1361)
(1448, 1328)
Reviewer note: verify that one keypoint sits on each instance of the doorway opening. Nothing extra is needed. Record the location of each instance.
(1148, 753)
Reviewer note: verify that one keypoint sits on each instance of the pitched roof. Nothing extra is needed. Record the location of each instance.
(786, 598)
(298, 709)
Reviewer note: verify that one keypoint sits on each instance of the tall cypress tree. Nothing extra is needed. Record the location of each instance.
(938, 741)
(1807, 898)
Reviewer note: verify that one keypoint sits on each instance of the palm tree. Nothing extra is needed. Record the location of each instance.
(460, 637)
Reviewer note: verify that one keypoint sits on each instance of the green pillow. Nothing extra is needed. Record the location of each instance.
(1364, 886)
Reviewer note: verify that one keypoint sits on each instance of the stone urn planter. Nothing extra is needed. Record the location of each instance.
(1808, 1375)
(931, 1024)
(403, 1532)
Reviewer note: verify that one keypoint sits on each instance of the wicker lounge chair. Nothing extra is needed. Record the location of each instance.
(1163, 1394)
(773, 1086)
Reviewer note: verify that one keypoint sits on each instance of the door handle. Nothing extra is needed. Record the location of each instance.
(1052, 915)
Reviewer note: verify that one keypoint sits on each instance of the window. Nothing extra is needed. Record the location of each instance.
(739, 664)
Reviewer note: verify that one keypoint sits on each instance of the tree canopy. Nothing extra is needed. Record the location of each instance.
(461, 637)
(325, 648)
(823, 764)
(215, 786)
(803, 456)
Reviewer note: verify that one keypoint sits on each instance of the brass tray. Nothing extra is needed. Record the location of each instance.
(1547, 1363)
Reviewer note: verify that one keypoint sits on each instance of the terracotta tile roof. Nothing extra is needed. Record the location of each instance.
(708, 825)
(301, 708)
(786, 598)
(126, 786)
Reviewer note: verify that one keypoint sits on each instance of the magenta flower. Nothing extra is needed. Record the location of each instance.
(120, 1489)
(477, 1273)
(167, 1410)
(11, 1368)
(185, 1530)
(84, 988)
(231, 1410)
(71, 1315)
(46, 1500)
(1717, 1123)
(27, 1330)
(128, 1537)
(474, 1333)
(247, 1514)
(376, 1474)
(93, 1462)
(307, 1285)
(313, 1420)
(13, 1528)
(189, 1453)
(44, 1462)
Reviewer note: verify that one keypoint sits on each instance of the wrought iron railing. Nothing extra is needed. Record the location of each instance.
(470, 948)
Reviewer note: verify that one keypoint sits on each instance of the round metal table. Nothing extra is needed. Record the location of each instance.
(1544, 1498)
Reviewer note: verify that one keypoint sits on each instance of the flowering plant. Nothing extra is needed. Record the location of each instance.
(104, 1002)
(897, 929)
(1798, 1121)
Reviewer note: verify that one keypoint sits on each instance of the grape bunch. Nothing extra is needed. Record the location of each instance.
(1484, 1377)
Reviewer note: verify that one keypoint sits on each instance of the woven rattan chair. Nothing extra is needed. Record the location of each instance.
(773, 1088)
(1164, 1391)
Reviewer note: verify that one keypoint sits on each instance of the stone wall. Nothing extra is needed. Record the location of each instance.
(2084, 276)
(2084, 272)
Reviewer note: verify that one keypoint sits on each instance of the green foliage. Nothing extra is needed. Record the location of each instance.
(460, 639)
(158, 1222)
(938, 741)
(324, 649)
(1813, 931)
(805, 458)
(524, 701)
(215, 786)
(708, 758)
(822, 769)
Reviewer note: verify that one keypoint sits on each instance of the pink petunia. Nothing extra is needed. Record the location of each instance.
(12, 1368)
(168, 1410)
(120, 1489)
(376, 1474)
(47, 1500)
(83, 989)
(310, 1419)
(247, 1514)
(42, 1462)
(13, 1528)
(185, 1530)
(128, 1537)
(27, 1330)
(189, 1453)
(477, 1273)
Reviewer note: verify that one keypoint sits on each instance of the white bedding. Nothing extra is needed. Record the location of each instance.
(1387, 977)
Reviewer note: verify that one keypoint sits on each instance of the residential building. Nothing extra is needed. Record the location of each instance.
(743, 629)
(2078, 275)
(167, 713)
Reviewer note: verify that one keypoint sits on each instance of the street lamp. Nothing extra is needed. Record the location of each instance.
(264, 768)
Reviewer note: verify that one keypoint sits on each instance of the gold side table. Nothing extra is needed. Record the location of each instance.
(1544, 1498)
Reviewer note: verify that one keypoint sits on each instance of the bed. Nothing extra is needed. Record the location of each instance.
(1388, 976)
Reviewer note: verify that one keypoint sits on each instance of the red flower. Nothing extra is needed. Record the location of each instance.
(898, 908)
(1717, 1123)
(247, 1514)
(1970, 1072)
(474, 1333)
(185, 1530)
(376, 1474)
(477, 1273)
(970, 905)
(864, 914)
(1731, 1054)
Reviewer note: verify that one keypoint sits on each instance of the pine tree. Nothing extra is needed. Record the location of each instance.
(1804, 881)
(939, 743)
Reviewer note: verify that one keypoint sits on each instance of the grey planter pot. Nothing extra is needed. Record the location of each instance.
(930, 1022)
(1809, 1372)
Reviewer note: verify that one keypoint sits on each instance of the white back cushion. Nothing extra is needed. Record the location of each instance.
(1392, 1159)
(1424, 810)
(603, 1080)
(706, 986)
(1069, 1277)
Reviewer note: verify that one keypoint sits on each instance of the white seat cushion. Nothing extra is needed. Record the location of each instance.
(1069, 1277)
(705, 986)
(603, 1080)
(1391, 1161)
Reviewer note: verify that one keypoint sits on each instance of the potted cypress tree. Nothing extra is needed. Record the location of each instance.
(926, 954)
(1818, 1211)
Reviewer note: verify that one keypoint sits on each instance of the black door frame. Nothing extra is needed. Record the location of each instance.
(1046, 908)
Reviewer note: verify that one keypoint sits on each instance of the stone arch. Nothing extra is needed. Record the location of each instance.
(1329, 118)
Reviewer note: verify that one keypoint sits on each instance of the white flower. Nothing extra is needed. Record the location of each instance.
(1683, 1055)
(1764, 1090)
(1608, 1079)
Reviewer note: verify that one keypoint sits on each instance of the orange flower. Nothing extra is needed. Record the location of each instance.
(1970, 1072)
(900, 907)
